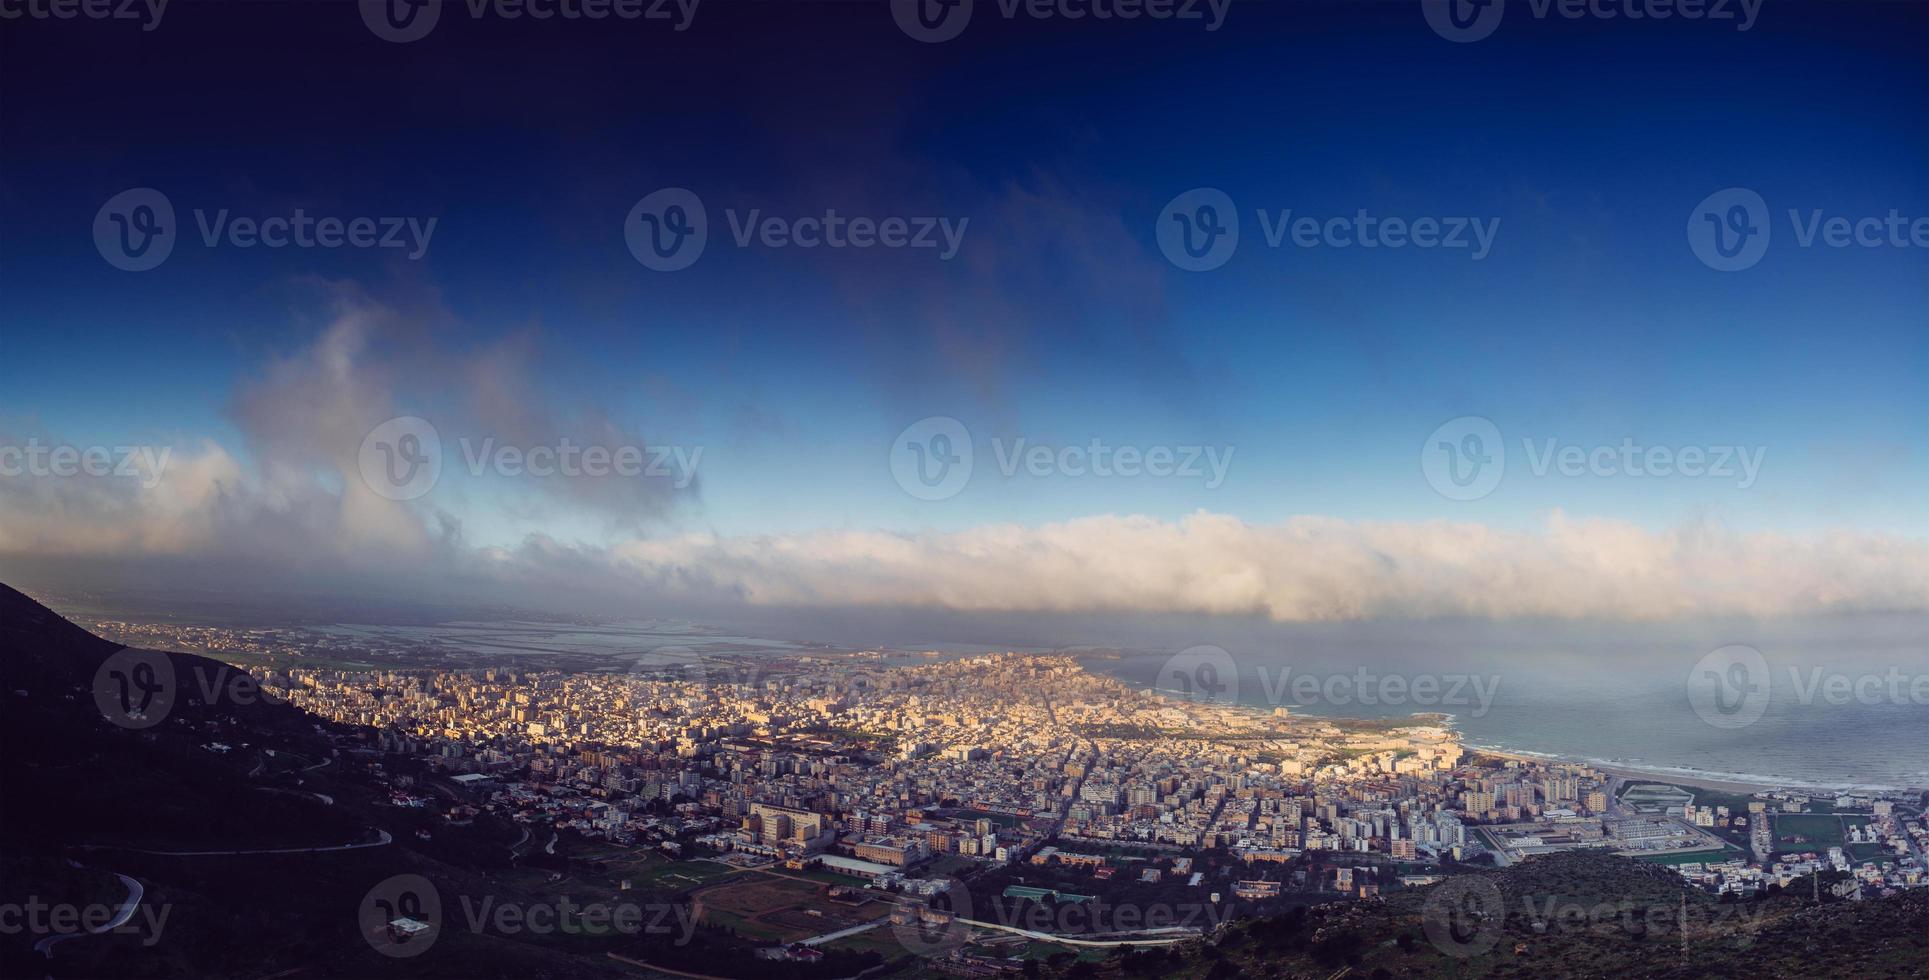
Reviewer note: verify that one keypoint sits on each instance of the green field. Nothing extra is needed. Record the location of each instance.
(685, 874)
(778, 909)
(1000, 819)
(1870, 852)
(1692, 857)
(880, 940)
(1737, 803)
(742, 926)
(950, 865)
(650, 869)
(830, 877)
(1038, 950)
(1823, 830)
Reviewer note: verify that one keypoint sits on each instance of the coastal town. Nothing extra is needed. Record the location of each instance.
(906, 778)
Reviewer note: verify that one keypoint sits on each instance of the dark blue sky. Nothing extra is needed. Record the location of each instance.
(1589, 321)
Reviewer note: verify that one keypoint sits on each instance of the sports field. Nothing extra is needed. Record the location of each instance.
(780, 909)
(1821, 830)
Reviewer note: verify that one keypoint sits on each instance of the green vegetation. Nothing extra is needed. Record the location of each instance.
(1870, 852)
(1821, 830)
(880, 940)
(645, 868)
(875, 741)
(830, 877)
(1692, 857)
(1787, 934)
(1737, 803)
(1001, 819)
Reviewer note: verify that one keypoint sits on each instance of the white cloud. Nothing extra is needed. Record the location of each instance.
(291, 502)
(1306, 569)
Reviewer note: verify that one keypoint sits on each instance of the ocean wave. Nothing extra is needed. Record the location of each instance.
(1691, 772)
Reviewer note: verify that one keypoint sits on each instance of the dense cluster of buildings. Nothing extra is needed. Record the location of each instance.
(877, 771)
(980, 758)
(1881, 851)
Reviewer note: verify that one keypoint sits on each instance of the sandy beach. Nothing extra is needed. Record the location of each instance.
(1702, 781)
(1699, 782)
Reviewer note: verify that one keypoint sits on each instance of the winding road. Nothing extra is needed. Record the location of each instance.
(135, 891)
(323, 797)
(386, 839)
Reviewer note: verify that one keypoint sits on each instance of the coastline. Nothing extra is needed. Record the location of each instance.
(1740, 783)
(1631, 773)
(1708, 781)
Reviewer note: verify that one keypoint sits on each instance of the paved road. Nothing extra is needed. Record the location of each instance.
(45, 947)
(841, 933)
(1151, 939)
(324, 797)
(386, 839)
(1071, 796)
